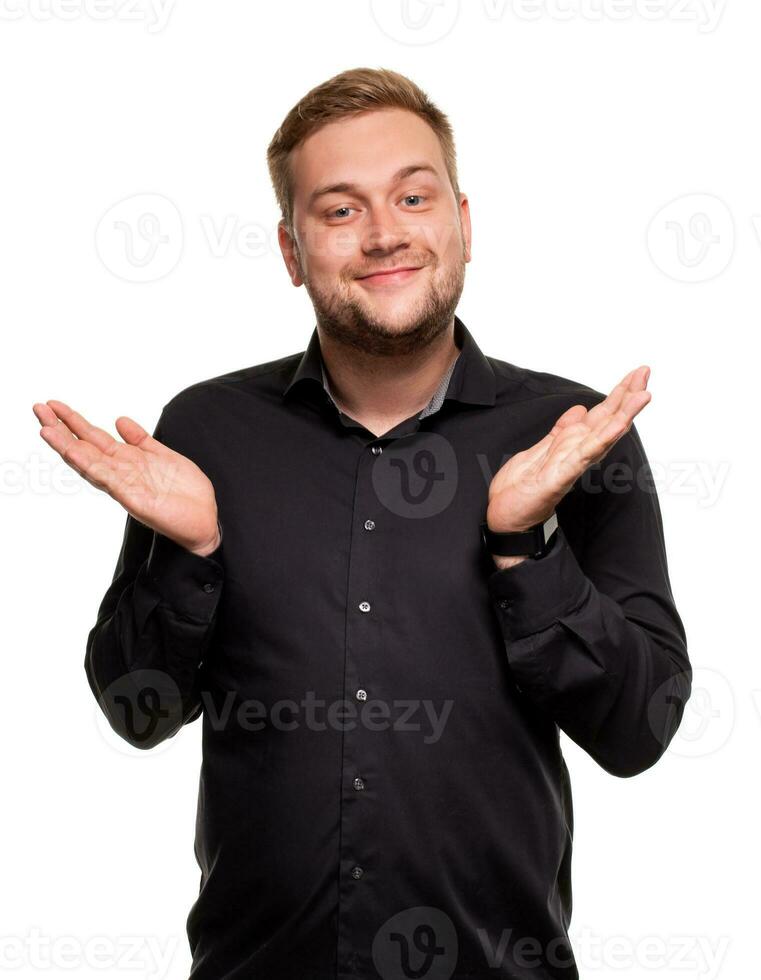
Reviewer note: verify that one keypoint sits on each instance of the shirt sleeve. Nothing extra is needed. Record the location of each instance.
(592, 635)
(153, 627)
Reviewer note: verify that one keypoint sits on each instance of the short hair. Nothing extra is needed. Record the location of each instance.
(347, 94)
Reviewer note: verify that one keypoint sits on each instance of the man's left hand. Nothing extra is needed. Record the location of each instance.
(528, 488)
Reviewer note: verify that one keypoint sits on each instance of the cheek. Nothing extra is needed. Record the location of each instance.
(323, 270)
(335, 249)
(451, 243)
(326, 251)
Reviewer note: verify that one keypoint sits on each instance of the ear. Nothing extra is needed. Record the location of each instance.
(465, 224)
(289, 250)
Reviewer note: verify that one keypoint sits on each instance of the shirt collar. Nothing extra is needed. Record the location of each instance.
(436, 399)
(473, 380)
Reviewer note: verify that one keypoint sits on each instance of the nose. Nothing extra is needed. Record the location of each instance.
(384, 233)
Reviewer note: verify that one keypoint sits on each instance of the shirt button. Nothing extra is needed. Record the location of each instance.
(369, 525)
(357, 872)
(361, 695)
(364, 606)
(377, 450)
(359, 783)
(208, 587)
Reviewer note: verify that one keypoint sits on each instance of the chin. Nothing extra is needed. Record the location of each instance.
(397, 319)
(398, 305)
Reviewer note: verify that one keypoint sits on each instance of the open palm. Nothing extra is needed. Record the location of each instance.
(159, 487)
(526, 490)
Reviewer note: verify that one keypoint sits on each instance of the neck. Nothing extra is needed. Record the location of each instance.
(386, 389)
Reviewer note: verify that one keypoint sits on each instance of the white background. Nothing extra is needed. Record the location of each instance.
(577, 123)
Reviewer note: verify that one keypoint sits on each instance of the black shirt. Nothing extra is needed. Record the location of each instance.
(382, 791)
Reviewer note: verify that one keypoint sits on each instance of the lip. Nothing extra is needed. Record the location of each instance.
(391, 278)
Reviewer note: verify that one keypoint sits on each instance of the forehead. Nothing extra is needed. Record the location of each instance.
(366, 150)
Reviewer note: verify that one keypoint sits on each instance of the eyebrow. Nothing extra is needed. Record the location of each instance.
(347, 187)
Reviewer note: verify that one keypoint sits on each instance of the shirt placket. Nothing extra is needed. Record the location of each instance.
(360, 762)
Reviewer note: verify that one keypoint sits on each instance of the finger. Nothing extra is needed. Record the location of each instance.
(81, 428)
(635, 380)
(45, 414)
(534, 454)
(576, 449)
(133, 433)
(84, 458)
(53, 429)
(595, 445)
(633, 403)
(57, 434)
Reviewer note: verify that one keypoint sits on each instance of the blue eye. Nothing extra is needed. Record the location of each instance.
(335, 212)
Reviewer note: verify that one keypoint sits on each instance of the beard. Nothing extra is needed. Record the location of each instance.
(348, 321)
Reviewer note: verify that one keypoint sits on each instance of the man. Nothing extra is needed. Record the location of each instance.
(383, 679)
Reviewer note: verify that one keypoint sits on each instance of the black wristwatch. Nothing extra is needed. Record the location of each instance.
(535, 542)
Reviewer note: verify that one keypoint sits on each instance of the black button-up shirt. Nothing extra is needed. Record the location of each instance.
(382, 790)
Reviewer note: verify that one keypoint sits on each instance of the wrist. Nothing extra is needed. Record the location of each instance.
(509, 546)
(212, 546)
(507, 561)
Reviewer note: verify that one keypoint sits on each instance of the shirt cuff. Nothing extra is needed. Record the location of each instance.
(189, 584)
(533, 594)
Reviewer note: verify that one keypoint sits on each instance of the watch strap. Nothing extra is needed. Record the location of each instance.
(535, 542)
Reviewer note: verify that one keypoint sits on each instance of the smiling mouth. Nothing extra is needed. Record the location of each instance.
(392, 277)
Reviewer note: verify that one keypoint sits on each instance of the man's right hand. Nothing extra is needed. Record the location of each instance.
(157, 486)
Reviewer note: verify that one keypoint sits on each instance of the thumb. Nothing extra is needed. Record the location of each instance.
(131, 431)
(571, 415)
(536, 454)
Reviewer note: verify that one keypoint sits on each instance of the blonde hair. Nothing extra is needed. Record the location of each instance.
(347, 94)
